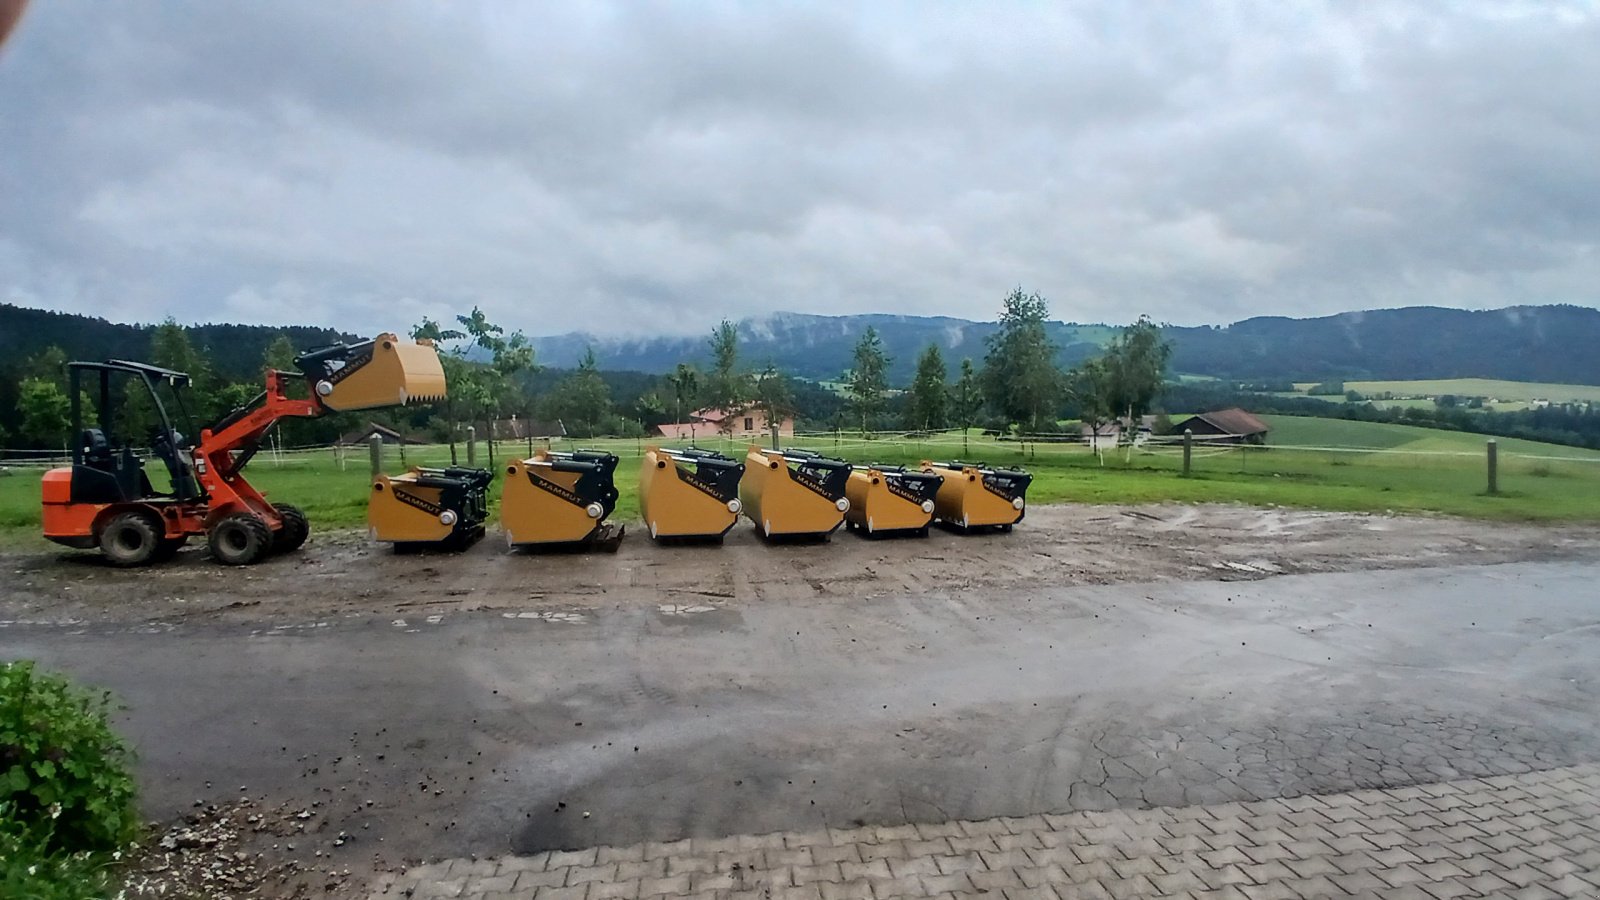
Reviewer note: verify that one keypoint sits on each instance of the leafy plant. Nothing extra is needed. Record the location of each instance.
(29, 870)
(64, 775)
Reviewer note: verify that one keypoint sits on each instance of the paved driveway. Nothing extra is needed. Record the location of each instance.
(614, 725)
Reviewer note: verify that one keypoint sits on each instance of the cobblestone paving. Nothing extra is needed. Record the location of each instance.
(1534, 835)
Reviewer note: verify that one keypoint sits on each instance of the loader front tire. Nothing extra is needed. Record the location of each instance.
(239, 539)
(131, 539)
(294, 531)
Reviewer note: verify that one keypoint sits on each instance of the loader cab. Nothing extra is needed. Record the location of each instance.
(133, 406)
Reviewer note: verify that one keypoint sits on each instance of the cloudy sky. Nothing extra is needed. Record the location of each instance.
(649, 167)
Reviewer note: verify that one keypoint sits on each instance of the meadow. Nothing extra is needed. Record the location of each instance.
(1308, 462)
(1507, 394)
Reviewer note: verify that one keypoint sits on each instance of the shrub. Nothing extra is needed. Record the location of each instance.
(64, 778)
(28, 869)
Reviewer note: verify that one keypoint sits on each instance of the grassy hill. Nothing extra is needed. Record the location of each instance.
(1482, 387)
(1305, 431)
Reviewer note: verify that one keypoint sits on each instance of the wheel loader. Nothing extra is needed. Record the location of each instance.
(794, 492)
(561, 498)
(429, 508)
(890, 500)
(975, 496)
(105, 499)
(689, 494)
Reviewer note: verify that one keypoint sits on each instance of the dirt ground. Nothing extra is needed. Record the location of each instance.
(344, 575)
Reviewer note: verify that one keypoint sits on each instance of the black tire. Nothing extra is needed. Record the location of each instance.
(239, 540)
(131, 539)
(294, 531)
(168, 548)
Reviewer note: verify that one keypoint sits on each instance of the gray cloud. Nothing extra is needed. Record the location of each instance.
(636, 168)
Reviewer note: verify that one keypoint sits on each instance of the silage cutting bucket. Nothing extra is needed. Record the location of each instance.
(424, 507)
(689, 493)
(886, 499)
(560, 497)
(975, 496)
(794, 492)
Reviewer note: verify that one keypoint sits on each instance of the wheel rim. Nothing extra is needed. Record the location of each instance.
(129, 540)
(234, 540)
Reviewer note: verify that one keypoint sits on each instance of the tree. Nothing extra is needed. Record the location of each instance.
(1089, 385)
(1020, 377)
(49, 364)
(928, 408)
(775, 398)
(280, 354)
(582, 400)
(685, 381)
(868, 382)
(170, 348)
(726, 388)
(1136, 365)
(44, 408)
(650, 409)
(966, 399)
(478, 390)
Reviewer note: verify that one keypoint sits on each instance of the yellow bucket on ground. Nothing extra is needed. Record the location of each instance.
(443, 508)
(976, 496)
(793, 492)
(689, 494)
(560, 498)
(887, 499)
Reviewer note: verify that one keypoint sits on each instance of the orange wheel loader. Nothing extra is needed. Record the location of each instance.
(106, 500)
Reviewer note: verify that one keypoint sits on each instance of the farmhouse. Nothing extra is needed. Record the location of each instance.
(750, 422)
(1228, 426)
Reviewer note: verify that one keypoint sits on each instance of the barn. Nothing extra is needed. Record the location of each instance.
(1227, 426)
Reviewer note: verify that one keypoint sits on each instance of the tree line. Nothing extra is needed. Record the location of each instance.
(493, 376)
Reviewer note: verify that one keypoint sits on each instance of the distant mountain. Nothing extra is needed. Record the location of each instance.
(1519, 343)
(816, 347)
(1522, 343)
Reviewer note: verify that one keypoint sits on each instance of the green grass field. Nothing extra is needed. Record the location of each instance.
(1358, 466)
(1482, 387)
(1510, 395)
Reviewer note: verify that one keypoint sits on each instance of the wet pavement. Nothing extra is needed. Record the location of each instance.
(493, 732)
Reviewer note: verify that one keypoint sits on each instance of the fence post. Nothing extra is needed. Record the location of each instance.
(472, 445)
(1494, 467)
(1188, 449)
(375, 446)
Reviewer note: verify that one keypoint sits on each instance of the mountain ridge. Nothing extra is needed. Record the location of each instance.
(1551, 343)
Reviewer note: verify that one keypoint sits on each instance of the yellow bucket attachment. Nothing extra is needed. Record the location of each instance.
(793, 492)
(560, 498)
(429, 507)
(890, 499)
(976, 496)
(689, 493)
(382, 372)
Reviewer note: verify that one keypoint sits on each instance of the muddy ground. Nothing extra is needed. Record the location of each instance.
(339, 575)
(342, 711)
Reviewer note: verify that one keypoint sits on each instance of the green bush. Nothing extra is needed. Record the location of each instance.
(64, 775)
(31, 871)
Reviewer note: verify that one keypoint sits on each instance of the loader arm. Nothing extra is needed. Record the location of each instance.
(344, 377)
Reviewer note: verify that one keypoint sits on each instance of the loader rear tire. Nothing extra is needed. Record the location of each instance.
(294, 531)
(131, 539)
(239, 539)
